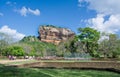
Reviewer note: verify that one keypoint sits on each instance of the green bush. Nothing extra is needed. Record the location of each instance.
(14, 50)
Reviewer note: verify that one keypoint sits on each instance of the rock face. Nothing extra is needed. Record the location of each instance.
(54, 34)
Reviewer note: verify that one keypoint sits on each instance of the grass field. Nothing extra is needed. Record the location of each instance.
(6, 71)
(9, 71)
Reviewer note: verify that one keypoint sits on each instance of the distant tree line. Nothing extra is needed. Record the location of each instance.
(86, 42)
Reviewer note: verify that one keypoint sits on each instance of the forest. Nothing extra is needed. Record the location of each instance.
(88, 42)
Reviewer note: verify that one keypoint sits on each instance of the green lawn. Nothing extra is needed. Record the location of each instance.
(34, 72)
(20, 62)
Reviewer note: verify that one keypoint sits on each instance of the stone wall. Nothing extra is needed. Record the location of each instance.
(111, 65)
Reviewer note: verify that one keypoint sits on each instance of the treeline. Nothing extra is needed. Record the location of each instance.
(28, 46)
(87, 41)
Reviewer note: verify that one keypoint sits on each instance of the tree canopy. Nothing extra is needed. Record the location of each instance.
(86, 42)
(89, 37)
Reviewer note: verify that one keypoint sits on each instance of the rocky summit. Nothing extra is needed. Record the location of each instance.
(54, 34)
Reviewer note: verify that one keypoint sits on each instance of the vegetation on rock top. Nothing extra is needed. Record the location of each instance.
(86, 42)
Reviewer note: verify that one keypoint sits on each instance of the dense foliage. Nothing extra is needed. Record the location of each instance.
(89, 38)
(29, 45)
(14, 50)
(110, 47)
(86, 42)
(33, 46)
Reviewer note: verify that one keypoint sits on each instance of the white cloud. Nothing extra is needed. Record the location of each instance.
(35, 12)
(25, 11)
(104, 8)
(12, 33)
(10, 3)
(112, 25)
(1, 14)
(103, 37)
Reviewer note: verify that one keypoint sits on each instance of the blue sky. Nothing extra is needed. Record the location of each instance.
(23, 17)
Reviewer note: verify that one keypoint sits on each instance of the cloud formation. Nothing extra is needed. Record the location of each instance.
(112, 25)
(25, 11)
(103, 6)
(108, 15)
(12, 33)
(11, 3)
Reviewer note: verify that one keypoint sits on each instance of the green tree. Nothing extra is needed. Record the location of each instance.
(14, 50)
(33, 46)
(110, 47)
(30, 39)
(29, 49)
(3, 42)
(89, 37)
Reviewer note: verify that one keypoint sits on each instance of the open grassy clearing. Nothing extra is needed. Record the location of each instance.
(35, 72)
(17, 62)
(26, 61)
(20, 63)
(9, 71)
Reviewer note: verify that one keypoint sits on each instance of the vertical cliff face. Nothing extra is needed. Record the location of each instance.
(54, 35)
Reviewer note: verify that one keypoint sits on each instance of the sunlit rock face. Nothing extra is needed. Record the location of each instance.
(54, 34)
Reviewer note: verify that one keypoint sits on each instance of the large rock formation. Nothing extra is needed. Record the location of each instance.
(54, 34)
